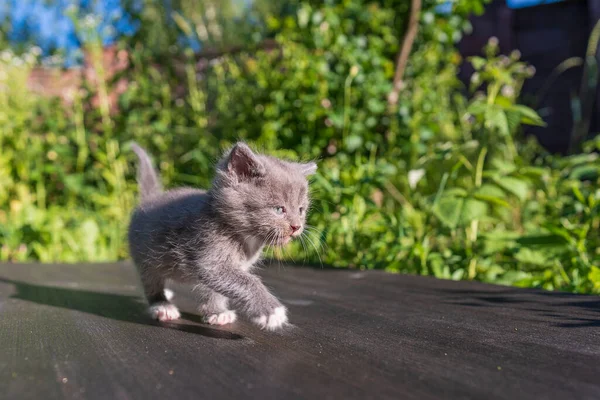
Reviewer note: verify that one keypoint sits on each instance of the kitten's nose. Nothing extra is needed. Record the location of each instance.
(295, 227)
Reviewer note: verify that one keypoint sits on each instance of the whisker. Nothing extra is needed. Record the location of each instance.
(320, 238)
(316, 250)
(303, 245)
(280, 249)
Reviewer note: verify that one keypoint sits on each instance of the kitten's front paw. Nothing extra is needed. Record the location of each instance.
(226, 317)
(164, 312)
(272, 321)
(169, 294)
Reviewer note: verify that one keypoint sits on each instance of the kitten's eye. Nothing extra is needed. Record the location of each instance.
(280, 210)
(301, 210)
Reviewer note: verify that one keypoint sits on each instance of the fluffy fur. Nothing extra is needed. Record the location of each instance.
(213, 238)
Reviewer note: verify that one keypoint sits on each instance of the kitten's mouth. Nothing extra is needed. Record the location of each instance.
(284, 240)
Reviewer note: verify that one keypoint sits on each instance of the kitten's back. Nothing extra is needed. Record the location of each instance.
(157, 219)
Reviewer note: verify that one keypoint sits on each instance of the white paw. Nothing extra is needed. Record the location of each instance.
(272, 321)
(226, 317)
(164, 312)
(169, 294)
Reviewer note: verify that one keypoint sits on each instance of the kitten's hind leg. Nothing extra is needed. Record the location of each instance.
(214, 306)
(158, 298)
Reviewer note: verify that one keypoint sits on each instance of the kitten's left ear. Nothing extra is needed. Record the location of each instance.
(243, 162)
(307, 168)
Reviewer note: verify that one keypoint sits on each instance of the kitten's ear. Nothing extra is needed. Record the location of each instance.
(307, 168)
(243, 163)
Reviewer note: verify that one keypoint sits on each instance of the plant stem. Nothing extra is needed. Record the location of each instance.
(472, 234)
(479, 170)
(96, 53)
(347, 92)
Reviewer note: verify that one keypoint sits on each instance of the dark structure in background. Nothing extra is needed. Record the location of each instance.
(546, 35)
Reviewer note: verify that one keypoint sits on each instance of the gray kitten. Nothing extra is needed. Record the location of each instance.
(213, 238)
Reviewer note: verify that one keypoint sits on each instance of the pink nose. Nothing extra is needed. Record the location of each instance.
(295, 227)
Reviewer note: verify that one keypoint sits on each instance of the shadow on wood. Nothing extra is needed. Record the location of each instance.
(114, 306)
(561, 311)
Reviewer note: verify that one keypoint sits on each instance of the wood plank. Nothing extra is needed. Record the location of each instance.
(79, 332)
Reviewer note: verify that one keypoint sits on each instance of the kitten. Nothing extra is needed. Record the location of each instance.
(213, 238)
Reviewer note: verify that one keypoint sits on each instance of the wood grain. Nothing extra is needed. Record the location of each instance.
(79, 332)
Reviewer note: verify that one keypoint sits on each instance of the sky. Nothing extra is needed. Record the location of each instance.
(48, 25)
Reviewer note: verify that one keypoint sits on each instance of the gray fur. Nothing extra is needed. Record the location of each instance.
(213, 238)
(147, 179)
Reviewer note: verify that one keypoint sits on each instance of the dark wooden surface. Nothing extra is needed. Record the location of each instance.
(79, 332)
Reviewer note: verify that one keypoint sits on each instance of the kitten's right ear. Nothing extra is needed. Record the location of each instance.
(243, 163)
(307, 168)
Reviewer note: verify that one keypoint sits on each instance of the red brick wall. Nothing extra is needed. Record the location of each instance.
(64, 83)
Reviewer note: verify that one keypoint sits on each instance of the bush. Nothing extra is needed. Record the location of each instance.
(443, 184)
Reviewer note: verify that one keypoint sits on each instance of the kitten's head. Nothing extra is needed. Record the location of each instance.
(262, 197)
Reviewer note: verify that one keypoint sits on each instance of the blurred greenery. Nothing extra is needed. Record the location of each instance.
(444, 184)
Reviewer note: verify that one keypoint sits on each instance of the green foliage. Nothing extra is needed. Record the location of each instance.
(445, 186)
(327, 86)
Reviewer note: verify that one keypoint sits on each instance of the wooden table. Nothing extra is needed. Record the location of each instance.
(79, 332)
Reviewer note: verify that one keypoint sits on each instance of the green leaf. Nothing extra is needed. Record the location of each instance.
(594, 277)
(516, 186)
(491, 190)
(353, 142)
(492, 273)
(492, 200)
(458, 274)
(581, 172)
(477, 107)
(458, 211)
(578, 159)
(304, 16)
(578, 194)
(473, 209)
(504, 102)
(448, 210)
(504, 166)
(494, 244)
(528, 115)
(496, 118)
(74, 183)
(542, 240)
(456, 192)
(514, 120)
(532, 122)
(529, 256)
(337, 119)
(375, 106)
(559, 231)
(534, 172)
(513, 277)
(477, 62)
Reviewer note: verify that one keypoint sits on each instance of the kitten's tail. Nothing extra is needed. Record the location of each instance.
(147, 177)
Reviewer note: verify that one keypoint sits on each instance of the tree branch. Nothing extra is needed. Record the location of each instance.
(404, 53)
